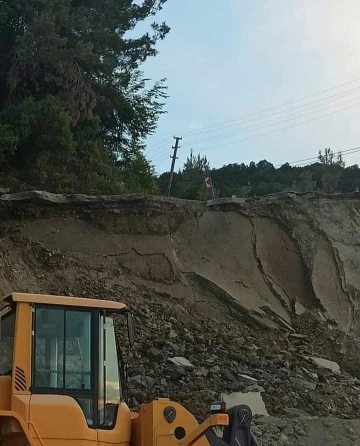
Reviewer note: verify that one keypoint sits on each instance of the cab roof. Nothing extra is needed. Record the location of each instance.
(64, 300)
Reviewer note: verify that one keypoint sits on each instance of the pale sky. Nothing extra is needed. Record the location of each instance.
(227, 59)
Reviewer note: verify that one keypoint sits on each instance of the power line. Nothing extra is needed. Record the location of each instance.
(278, 130)
(160, 145)
(301, 162)
(270, 123)
(349, 153)
(276, 107)
(308, 105)
(202, 129)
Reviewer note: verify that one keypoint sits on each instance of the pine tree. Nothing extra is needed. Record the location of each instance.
(79, 53)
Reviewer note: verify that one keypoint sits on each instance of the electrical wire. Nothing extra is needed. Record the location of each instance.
(309, 105)
(312, 105)
(336, 153)
(277, 130)
(270, 123)
(203, 129)
(274, 108)
(315, 157)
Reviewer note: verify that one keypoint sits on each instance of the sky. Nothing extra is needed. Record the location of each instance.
(226, 61)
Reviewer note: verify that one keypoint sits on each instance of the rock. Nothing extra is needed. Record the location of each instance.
(256, 431)
(200, 383)
(251, 399)
(283, 440)
(297, 336)
(250, 378)
(293, 412)
(301, 384)
(239, 341)
(299, 308)
(176, 374)
(234, 386)
(183, 362)
(188, 337)
(288, 430)
(155, 353)
(254, 388)
(215, 369)
(172, 334)
(140, 397)
(202, 371)
(302, 432)
(326, 364)
(311, 374)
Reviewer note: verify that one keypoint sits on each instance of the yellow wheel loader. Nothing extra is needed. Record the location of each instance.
(63, 383)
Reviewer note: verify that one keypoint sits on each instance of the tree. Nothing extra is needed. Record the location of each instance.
(138, 174)
(195, 169)
(262, 178)
(329, 181)
(78, 54)
(328, 158)
(304, 183)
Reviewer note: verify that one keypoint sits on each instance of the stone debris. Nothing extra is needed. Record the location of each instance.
(183, 362)
(299, 308)
(194, 371)
(250, 378)
(309, 431)
(252, 399)
(326, 364)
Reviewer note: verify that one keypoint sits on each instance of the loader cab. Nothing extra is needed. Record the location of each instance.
(60, 356)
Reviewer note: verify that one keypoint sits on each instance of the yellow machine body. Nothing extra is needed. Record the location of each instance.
(61, 385)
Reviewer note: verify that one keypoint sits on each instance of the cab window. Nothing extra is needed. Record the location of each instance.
(62, 355)
(7, 332)
(109, 376)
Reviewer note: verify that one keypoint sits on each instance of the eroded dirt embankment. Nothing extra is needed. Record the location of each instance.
(226, 286)
(271, 257)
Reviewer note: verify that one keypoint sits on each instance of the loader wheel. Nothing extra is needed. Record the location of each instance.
(244, 413)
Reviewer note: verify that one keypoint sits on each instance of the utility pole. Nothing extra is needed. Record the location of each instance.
(174, 157)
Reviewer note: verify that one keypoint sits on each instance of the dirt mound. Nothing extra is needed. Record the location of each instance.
(247, 291)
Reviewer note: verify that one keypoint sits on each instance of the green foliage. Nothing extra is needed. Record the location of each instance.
(304, 182)
(328, 158)
(192, 186)
(262, 178)
(8, 141)
(68, 66)
(137, 173)
(330, 180)
(44, 126)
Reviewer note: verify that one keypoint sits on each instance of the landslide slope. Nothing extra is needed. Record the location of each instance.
(225, 284)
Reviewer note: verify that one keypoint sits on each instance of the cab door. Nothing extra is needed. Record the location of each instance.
(114, 420)
(63, 402)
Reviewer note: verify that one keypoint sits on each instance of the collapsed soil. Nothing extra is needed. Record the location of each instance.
(119, 253)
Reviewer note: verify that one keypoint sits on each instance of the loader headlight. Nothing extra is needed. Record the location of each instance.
(218, 407)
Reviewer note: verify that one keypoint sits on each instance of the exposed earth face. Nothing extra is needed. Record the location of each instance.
(253, 295)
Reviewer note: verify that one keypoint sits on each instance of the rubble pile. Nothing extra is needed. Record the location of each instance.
(226, 358)
(300, 429)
